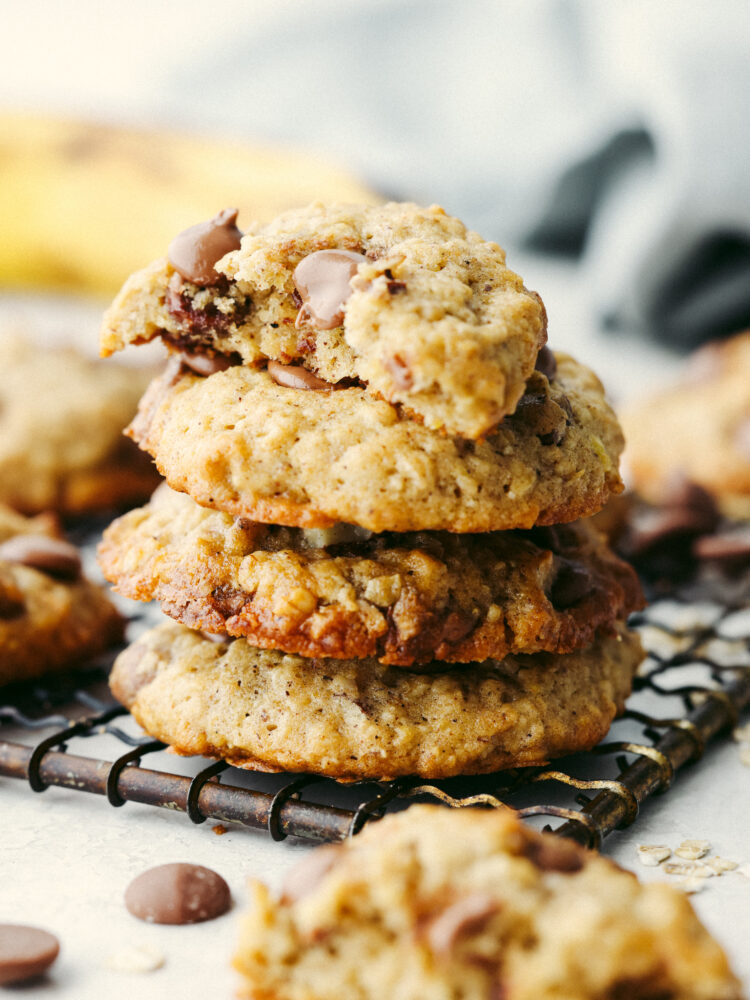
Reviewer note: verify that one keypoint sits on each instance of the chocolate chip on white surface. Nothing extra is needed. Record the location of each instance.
(177, 893)
(25, 952)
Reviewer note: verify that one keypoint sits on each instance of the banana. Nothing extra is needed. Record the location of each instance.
(83, 205)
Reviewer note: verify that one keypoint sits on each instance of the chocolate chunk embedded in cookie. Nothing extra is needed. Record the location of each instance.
(406, 599)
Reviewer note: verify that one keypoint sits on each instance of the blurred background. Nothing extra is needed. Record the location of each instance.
(604, 145)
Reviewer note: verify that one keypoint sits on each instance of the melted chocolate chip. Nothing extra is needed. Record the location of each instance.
(296, 377)
(322, 282)
(177, 894)
(571, 584)
(194, 252)
(25, 952)
(206, 364)
(49, 555)
(546, 363)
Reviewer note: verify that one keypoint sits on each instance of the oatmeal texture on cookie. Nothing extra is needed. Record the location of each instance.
(239, 442)
(424, 313)
(355, 719)
(468, 904)
(406, 599)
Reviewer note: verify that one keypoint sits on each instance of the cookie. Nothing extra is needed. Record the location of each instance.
(470, 903)
(239, 442)
(697, 429)
(61, 422)
(355, 719)
(343, 592)
(433, 319)
(51, 617)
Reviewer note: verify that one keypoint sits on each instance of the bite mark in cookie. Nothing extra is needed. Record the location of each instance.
(402, 299)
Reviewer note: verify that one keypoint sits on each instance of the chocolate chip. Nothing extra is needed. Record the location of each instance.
(680, 492)
(177, 894)
(306, 875)
(194, 252)
(687, 510)
(296, 377)
(322, 282)
(205, 364)
(464, 917)
(546, 363)
(25, 952)
(50, 555)
(732, 546)
(572, 582)
(553, 854)
(395, 287)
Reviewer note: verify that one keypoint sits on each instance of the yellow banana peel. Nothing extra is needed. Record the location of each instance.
(83, 205)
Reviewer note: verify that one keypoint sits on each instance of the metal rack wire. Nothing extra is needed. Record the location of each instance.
(699, 660)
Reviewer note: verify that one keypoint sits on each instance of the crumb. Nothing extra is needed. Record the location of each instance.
(693, 849)
(720, 865)
(742, 733)
(744, 870)
(220, 829)
(691, 885)
(135, 958)
(688, 869)
(745, 754)
(652, 855)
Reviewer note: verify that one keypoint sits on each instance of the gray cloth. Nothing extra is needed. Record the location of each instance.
(616, 131)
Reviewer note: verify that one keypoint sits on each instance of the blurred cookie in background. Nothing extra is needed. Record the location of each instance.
(61, 421)
(697, 429)
(51, 616)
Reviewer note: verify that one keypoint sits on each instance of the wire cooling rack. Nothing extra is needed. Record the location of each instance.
(692, 688)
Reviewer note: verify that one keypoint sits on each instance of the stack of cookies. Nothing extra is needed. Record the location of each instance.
(370, 540)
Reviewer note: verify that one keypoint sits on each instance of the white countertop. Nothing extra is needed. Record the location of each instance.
(66, 858)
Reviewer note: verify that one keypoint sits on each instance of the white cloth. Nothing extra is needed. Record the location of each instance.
(615, 129)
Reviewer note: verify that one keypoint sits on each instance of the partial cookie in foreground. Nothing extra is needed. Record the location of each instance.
(51, 617)
(61, 422)
(698, 429)
(239, 442)
(353, 719)
(472, 905)
(433, 319)
(343, 592)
